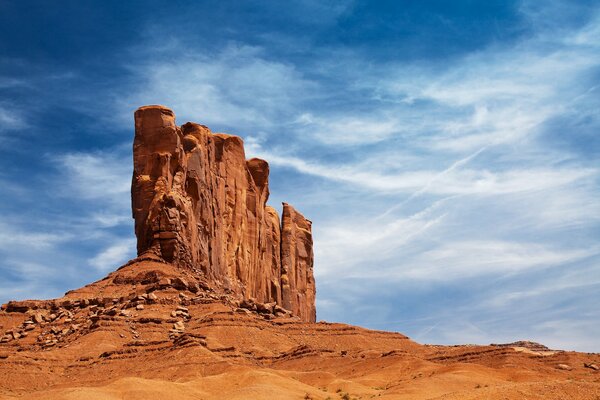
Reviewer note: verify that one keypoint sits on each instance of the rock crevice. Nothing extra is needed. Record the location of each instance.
(200, 205)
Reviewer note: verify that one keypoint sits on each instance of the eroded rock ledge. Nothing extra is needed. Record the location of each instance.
(200, 205)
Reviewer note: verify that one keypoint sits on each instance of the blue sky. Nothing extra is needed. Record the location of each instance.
(446, 152)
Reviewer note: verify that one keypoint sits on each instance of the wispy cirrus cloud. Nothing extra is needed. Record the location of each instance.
(10, 119)
(240, 86)
(88, 240)
(12, 237)
(439, 183)
(451, 181)
(95, 176)
(103, 178)
(465, 259)
(114, 255)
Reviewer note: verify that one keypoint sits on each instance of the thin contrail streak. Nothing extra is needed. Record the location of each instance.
(425, 188)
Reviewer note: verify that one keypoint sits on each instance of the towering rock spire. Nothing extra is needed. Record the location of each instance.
(199, 204)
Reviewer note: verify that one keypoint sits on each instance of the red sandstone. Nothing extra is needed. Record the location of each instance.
(199, 204)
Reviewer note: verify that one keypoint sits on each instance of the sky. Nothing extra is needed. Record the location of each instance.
(446, 152)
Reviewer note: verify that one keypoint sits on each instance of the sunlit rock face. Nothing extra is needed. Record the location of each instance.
(199, 204)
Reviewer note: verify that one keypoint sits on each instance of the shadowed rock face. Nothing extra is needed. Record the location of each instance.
(199, 204)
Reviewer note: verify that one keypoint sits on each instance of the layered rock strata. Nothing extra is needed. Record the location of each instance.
(199, 204)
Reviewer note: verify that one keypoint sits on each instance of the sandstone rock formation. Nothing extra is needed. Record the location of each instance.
(200, 205)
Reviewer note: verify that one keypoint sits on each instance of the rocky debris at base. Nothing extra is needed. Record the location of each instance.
(595, 367)
(148, 287)
(147, 297)
(38, 319)
(266, 310)
(56, 322)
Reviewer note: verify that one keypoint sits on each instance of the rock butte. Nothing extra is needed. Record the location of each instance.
(219, 304)
(199, 204)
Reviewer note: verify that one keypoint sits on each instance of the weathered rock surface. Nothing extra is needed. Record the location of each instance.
(199, 204)
(297, 282)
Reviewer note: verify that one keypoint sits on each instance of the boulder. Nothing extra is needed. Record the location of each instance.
(38, 318)
(595, 367)
(164, 282)
(179, 283)
(179, 326)
(265, 308)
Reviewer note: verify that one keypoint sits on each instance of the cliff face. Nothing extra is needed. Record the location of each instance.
(199, 204)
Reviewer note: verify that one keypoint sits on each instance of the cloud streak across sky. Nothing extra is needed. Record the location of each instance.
(447, 155)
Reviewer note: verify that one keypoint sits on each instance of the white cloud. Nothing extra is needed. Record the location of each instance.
(238, 87)
(344, 248)
(14, 237)
(10, 119)
(108, 219)
(94, 188)
(465, 259)
(113, 256)
(450, 181)
(547, 290)
(98, 176)
(345, 130)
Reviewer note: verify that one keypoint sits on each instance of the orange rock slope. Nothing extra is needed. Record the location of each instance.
(219, 304)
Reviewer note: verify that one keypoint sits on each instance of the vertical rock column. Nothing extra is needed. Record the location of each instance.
(200, 205)
(297, 281)
(157, 156)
